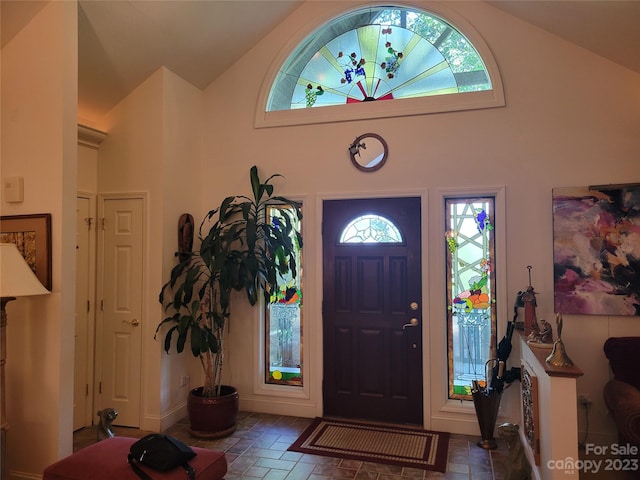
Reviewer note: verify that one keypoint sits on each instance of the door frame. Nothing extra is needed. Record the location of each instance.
(426, 322)
(102, 198)
(88, 417)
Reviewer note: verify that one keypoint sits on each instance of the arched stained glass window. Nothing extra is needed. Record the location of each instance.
(378, 53)
(370, 229)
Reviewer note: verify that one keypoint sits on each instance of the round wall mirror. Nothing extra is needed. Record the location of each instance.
(368, 152)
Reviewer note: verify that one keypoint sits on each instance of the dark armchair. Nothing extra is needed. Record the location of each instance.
(622, 393)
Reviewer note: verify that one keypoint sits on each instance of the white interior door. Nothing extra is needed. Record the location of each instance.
(84, 313)
(119, 342)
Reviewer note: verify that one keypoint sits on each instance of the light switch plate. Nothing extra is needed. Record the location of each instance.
(13, 189)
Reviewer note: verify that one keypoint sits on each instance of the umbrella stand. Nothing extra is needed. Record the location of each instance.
(487, 412)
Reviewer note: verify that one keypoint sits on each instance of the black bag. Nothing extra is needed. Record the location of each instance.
(162, 453)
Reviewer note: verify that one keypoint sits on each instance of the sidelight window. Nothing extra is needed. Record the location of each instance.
(471, 287)
(284, 319)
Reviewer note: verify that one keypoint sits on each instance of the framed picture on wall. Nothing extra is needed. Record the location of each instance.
(596, 250)
(32, 235)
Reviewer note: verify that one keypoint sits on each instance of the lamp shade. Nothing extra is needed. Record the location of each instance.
(16, 278)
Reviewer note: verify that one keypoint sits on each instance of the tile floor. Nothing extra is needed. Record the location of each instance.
(258, 449)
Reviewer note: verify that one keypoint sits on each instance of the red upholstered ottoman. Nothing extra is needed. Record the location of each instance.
(107, 460)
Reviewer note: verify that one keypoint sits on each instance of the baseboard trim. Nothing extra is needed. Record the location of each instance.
(161, 423)
(289, 408)
(13, 475)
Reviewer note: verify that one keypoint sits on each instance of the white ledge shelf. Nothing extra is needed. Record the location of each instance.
(557, 422)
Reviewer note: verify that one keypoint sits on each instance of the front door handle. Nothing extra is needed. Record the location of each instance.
(133, 323)
(412, 323)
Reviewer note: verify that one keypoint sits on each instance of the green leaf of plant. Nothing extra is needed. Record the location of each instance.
(196, 341)
(255, 182)
(167, 339)
(239, 250)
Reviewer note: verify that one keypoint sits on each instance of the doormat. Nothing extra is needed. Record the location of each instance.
(376, 443)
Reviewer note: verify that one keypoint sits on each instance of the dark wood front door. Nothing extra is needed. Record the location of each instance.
(372, 323)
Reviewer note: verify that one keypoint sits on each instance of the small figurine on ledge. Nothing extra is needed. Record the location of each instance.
(542, 337)
(546, 332)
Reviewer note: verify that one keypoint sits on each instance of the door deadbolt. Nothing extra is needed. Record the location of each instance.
(413, 306)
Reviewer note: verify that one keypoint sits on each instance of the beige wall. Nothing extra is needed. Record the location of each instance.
(87, 169)
(154, 147)
(39, 143)
(571, 118)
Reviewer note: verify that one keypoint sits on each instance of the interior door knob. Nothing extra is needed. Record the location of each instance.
(133, 323)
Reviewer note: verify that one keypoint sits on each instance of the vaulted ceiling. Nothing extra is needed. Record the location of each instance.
(121, 42)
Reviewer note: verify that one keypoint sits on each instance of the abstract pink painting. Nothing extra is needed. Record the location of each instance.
(596, 250)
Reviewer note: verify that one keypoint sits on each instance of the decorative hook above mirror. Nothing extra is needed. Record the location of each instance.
(368, 152)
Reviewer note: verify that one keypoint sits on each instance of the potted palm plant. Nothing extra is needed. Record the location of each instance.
(240, 249)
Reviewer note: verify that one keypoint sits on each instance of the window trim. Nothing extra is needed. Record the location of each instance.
(493, 98)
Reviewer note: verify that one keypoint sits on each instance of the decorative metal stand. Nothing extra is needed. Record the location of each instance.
(529, 300)
(487, 405)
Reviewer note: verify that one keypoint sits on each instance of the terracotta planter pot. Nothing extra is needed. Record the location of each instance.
(213, 417)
